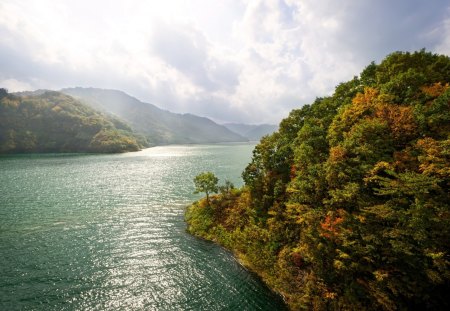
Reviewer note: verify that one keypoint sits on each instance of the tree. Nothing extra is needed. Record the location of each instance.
(54, 122)
(206, 182)
(347, 206)
(225, 189)
(3, 92)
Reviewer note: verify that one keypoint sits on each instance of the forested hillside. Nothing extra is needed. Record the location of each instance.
(54, 122)
(347, 206)
(159, 126)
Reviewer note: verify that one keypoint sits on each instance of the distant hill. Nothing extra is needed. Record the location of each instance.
(48, 121)
(159, 126)
(250, 131)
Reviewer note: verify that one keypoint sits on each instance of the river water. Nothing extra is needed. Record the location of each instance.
(106, 232)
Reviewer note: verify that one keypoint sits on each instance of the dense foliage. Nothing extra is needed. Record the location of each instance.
(206, 182)
(347, 206)
(54, 122)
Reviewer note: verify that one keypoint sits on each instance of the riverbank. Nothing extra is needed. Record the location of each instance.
(215, 223)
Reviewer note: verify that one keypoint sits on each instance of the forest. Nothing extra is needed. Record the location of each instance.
(55, 122)
(158, 126)
(347, 205)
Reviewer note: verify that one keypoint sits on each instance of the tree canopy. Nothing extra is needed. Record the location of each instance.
(206, 182)
(54, 122)
(347, 206)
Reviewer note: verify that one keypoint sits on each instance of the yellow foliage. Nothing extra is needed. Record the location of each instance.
(331, 225)
(56, 109)
(361, 218)
(435, 158)
(367, 99)
(329, 295)
(342, 254)
(400, 119)
(435, 255)
(361, 104)
(380, 275)
(10, 103)
(338, 265)
(435, 90)
(337, 154)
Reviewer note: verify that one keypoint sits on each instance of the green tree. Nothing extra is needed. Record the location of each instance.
(206, 182)
(226, 188)
(54, 122)
(3, 92)
(347, 206)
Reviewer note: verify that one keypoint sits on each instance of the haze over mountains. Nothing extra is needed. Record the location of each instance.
(157, 125)
(49, 121)
(101, 120)
(253, 132)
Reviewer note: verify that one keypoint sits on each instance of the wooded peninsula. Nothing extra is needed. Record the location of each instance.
(347, 205)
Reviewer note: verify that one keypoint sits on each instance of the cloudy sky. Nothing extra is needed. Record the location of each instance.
(230, 60)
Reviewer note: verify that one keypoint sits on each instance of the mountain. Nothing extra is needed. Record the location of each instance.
(159, 126)
(347, 205)
(48, 121)
(251, 131)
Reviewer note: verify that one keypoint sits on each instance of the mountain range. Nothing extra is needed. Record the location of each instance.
(253, 132)
(158, 126)
(49, 121)
(101, 120)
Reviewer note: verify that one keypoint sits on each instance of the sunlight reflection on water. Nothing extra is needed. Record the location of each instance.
(106, 232)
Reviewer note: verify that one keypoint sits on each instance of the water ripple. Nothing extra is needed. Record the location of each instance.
(107, 233)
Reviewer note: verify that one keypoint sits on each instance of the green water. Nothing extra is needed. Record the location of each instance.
(106, 232)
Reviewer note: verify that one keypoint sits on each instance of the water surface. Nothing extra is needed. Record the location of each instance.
(106, 232)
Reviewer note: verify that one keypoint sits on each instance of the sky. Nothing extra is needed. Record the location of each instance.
(229, 60)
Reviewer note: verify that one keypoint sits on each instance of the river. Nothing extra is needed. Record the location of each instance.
(106, 232)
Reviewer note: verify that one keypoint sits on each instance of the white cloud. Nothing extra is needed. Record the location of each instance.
(231, 60)
(17, 86)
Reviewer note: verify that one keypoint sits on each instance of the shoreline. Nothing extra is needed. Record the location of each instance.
(244, 263)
